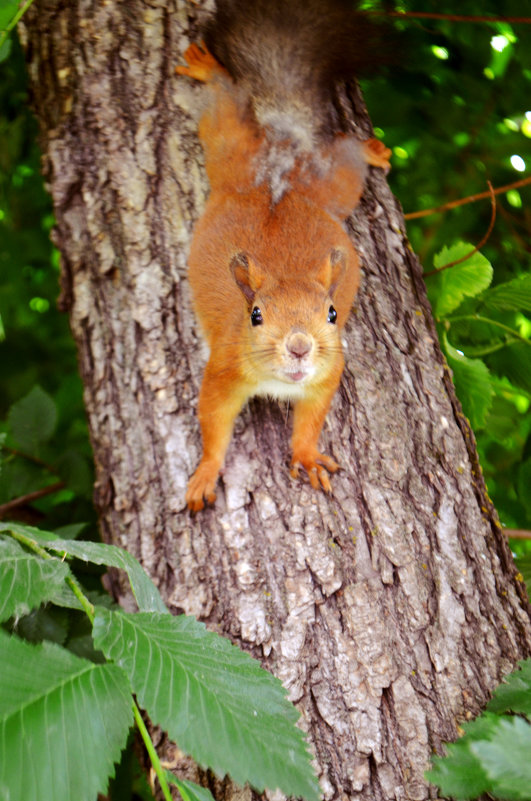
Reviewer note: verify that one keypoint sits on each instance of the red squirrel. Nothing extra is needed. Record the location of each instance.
(272, 271)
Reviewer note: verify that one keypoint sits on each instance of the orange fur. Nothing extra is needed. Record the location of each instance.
(282, 251)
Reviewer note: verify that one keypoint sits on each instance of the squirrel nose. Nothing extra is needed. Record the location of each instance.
(299, 345)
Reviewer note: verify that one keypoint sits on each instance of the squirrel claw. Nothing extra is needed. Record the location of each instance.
(316, 466)
(200, 490)
(201, 63)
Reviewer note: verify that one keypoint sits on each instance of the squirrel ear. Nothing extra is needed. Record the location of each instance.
(332, 270)
(247, 275)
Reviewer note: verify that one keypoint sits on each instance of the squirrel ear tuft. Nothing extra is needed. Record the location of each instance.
(332, 270)
(247, 275)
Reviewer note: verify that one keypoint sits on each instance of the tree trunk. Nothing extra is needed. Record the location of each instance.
(389, 610)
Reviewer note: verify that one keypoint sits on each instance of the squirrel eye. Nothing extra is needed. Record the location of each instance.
(332, 315)
(256, 316)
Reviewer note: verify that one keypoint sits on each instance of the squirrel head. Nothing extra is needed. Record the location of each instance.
(292, 327)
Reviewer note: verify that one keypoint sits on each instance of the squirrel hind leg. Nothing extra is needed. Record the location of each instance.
(376, 153)
(201, 63)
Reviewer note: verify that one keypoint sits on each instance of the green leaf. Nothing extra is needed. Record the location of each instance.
(64, 597)
(460, 773)
(5, 50)
(70, 531)
(7, 12)
(514, 694)
(75, 471)
(467, 279)
(26, 580)
(131, 782)
(472, 383)
(63, 722)
(513, 295)
(216, 702)
(514, 362)
(19, 477)
(146, 594)
(32, 419)
(45, 623)
(505, 759)
(190, 791)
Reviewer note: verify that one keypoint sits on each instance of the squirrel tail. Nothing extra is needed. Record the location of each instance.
(286, 55)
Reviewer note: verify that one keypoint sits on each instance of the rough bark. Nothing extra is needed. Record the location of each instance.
(389, 610)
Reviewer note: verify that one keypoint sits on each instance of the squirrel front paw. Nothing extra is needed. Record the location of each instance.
(201, 486)
(316, 465)
(201, 63)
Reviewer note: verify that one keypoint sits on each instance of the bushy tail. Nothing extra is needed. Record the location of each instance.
(288, 54)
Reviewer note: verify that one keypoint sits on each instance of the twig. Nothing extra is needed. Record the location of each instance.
(15, 452)
(517, 533)
(452, 17)
(31, 496)
(413, 215)
(478, 246)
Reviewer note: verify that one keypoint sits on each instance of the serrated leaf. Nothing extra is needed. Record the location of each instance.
(472, 384)
(26, 580)
(216, 702)
(467, 279)
(513, 295)
(460, 774)
(146, 594)
(505, 759)
(63, 722)
(190, 791)
(514, 694)
(32, 419)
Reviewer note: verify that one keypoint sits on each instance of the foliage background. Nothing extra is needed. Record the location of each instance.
(456, 115)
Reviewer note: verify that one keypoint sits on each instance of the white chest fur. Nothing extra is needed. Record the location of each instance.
(281, 389)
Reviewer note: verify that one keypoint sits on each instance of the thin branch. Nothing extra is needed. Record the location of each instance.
(453, 204)
(451, 17)
(31, 496)
(478, 246)
(35, 459)
(152, 753)
(517, 533)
